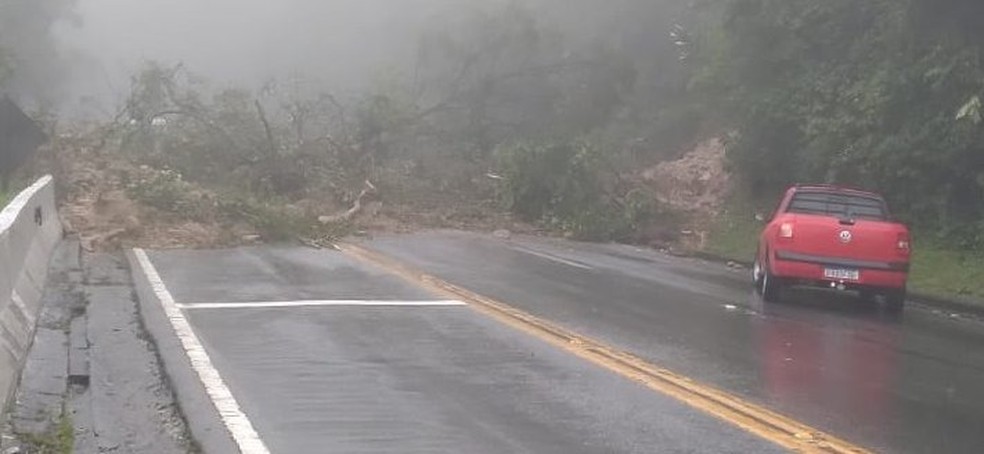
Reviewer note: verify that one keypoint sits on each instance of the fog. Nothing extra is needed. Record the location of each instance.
(340, 42)
(244, 41)
(343, 44)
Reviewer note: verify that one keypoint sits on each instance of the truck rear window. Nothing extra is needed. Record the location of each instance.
(838, 205)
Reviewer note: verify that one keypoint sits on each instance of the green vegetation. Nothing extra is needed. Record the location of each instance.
(494, 88)
(563, 186)
(943, 272)
(271, 217)
(59, 440)
(937, 269)
(240, 158)
(880, 94)
(553, 109)
(734, 234)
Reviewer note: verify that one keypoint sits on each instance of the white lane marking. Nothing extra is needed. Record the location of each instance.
(232, 416)
(315, 303)
(553, 258)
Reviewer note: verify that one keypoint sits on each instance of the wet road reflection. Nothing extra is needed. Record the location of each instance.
(905, 383)
(910, 383)
(849, 372)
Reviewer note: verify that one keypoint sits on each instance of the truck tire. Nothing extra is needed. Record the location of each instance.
(895, 301)
(757, 277)
(770, 286)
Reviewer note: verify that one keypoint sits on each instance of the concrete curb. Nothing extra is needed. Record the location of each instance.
(204, 421)
(29, 232)
(934, 302)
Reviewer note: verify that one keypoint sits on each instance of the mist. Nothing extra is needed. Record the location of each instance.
(343, 44)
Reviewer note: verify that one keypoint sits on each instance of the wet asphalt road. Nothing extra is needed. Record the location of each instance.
(412, 379)
(913, 384)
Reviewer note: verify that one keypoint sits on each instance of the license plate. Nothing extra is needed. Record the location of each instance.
(841, 274)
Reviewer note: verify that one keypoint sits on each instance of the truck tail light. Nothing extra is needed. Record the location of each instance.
(786, 230)
(903, 245)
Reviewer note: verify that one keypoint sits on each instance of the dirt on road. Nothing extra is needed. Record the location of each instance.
(111, 201)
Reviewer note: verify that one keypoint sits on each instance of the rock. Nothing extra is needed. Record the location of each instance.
(502, 234)
(253, 238)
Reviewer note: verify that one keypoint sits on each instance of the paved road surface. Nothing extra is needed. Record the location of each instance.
(329, 374)
(412, 374)
(909, 385)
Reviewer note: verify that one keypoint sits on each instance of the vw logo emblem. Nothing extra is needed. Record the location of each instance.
(846, 236)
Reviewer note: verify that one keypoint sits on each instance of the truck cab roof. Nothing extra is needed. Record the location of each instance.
(835, 188)
(837, 201)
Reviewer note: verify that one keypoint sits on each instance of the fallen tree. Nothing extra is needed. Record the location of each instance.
(347, 215)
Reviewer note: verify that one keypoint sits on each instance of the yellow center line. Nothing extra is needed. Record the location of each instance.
(779, 429)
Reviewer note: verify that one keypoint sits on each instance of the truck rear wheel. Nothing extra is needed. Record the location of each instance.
(895, 301)
(757, 277)
(770, 286)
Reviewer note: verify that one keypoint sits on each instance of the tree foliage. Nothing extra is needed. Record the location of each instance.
(570, 186)
(882, 94)
(488, 76)
(268, 144)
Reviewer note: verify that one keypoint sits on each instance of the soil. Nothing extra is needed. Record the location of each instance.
(696, 185)
(94, 204)
(697, 182)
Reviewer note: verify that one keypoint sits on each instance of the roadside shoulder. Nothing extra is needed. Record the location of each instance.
(204, 421)
(965, 306)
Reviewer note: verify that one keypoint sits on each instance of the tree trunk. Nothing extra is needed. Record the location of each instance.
(271, 142)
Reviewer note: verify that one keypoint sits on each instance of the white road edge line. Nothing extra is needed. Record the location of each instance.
(232, 416)
(553, 258)
(321, 303)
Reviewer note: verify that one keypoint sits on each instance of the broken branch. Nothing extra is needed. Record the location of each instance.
(347, 215)
(271, 143)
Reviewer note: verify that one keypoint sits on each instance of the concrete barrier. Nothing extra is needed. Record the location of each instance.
(29, 232)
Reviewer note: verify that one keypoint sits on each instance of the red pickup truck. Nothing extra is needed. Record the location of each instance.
(835, 237)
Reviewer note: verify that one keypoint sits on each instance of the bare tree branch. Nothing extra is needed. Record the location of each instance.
(457, 94)
(347, 215)
(271, 142)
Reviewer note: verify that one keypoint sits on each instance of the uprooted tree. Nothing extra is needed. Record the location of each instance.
(491, 87)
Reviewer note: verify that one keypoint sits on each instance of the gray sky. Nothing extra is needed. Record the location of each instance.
(244, 42)
(343, 44)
